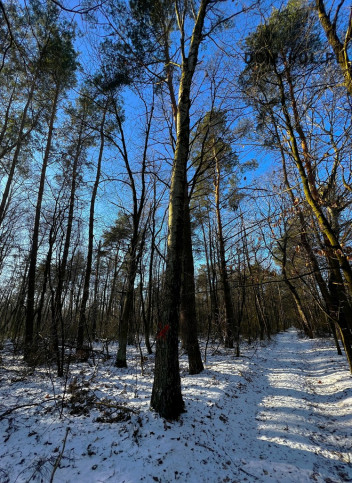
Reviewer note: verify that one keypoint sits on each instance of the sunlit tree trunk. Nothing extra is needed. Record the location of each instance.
(340, 48)
(306, 173)
(166, 394)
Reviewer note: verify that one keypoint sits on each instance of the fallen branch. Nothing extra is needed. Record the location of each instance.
(58, 459)
(249, 474)
(21, 406)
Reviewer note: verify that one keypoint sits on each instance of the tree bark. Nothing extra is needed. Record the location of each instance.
(166, 394)
(339, 48)
(188, 317)
(127, 305)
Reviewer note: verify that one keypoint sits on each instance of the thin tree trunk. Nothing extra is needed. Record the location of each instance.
(148, 318)
(10, 177)
(57, 315)
(213, 319)
(95, 308)
(229, 313)
(112, 296)
(137, 238)
(82, 324)
(30, 312)
(304, 319)
(305, 322)
(48, 261)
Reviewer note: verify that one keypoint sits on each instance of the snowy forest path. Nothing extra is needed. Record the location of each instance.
(303, 416)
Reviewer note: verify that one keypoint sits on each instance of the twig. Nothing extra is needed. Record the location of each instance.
(21, 406)
(249, 474)
(58, 459)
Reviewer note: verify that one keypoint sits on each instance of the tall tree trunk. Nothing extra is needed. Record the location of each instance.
(188, 317)
(229, 312)
(240, 305)
(166, 394)
(57, 315)
(30, 312)
(48, 261)
(329, 227)
(137, 240)
(326, 293)
(82, 315)
(211, 276)
(149, 311)
(112, 295)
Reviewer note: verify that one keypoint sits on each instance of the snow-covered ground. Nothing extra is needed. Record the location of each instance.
(282, 412)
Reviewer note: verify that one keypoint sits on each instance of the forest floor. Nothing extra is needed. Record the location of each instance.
(282, 412)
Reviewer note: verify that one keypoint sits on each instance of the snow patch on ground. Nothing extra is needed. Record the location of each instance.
(281, 412)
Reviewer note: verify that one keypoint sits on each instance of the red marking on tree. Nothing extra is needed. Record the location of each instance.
(163, 332)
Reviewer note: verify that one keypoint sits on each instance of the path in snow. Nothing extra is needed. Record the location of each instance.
(280, 413)
(297, 413)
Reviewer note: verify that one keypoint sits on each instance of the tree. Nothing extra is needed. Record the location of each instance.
(277, 49)
(166, 396)
(59, 64)
(80, 137)
(188, 317)
(217, 171)
(85, 295)
(137, 236)
(339, 47)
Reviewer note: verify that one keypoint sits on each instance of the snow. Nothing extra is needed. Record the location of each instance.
(281, 412)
